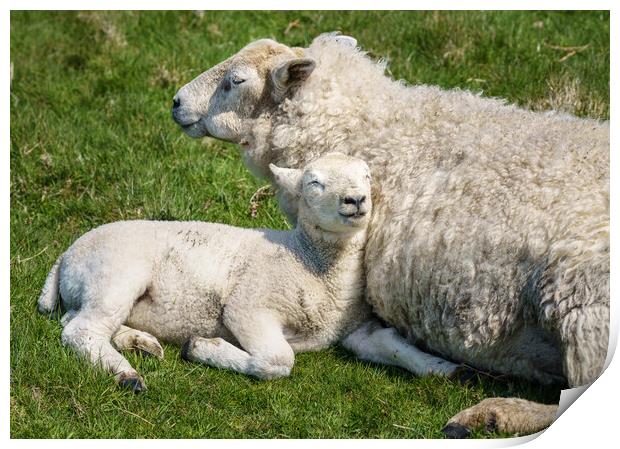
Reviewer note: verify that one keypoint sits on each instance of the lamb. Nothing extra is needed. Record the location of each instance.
(489, 241)
(214, 287)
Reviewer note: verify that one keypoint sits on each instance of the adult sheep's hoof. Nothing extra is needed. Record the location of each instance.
(132, 382)
(454, 430)
(464, 375)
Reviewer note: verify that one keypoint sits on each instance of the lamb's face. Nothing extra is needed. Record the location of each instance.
(220, 101)
(333, 192)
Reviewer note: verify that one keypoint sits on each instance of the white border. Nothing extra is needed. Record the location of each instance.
(309, 5)
(590, 422)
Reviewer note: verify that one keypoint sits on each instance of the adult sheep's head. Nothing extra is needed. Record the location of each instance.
(221, 101)
(333, 192)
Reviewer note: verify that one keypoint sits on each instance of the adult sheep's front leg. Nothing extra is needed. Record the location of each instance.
(576, 308)
(268, 354)
(510, 415)
(384, 345)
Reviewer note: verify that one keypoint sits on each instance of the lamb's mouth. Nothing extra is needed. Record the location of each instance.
(353, 216)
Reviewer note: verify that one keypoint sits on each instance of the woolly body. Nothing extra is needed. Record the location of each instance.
(179, 277)
(489, 241)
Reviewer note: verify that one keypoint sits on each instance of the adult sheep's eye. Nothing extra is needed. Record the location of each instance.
(316, 184)
(236, 80)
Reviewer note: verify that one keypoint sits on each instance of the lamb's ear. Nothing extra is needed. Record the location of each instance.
(289, 74)
(287, 179)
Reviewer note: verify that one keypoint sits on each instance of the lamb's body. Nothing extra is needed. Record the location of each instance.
(242, 299)
(490, 238)
(177, 277)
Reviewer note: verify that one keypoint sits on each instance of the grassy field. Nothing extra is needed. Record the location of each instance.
(92, 141)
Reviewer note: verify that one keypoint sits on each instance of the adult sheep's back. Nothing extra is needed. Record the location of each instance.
(477, 226)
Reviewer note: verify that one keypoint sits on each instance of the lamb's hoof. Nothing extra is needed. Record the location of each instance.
(127, 339)
(464, 375)
(186, 349)
(454, 430)
(149, 346)
(132, 382)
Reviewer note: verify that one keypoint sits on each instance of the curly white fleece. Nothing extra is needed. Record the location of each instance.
(490, 238)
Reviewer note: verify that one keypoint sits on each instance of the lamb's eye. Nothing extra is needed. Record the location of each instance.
(236, 80)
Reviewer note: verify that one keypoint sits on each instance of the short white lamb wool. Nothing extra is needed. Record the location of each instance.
(242, 299)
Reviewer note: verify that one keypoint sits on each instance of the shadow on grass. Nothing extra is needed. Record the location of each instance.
(489, 384)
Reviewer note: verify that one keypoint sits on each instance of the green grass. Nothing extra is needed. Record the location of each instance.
(92, 141)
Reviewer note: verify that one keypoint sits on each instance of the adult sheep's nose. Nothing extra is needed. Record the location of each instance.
(176, 102)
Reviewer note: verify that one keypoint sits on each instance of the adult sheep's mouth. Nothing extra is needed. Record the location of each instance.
(189, 127)
(195, 130)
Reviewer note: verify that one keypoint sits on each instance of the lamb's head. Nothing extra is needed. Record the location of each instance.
(222, 101)
(333, 192)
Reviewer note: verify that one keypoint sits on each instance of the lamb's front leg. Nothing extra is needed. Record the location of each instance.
(384, 345)
(268, 355)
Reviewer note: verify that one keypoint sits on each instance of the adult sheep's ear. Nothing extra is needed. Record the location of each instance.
(290, 74)
(346, 40)
(336, 37)
(287, 179)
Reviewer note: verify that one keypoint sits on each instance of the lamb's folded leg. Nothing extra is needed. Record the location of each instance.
(510, 415)
(384, 345)
(219, 353)
(216, 352)
(127, 339)
(268, 355)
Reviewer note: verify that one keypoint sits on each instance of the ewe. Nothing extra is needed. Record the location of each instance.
(212, 286)
(489, 242)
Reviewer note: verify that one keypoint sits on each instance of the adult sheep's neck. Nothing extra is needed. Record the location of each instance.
(347, 98)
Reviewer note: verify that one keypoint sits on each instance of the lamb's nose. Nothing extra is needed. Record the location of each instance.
(176, 102)
(356, 200)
